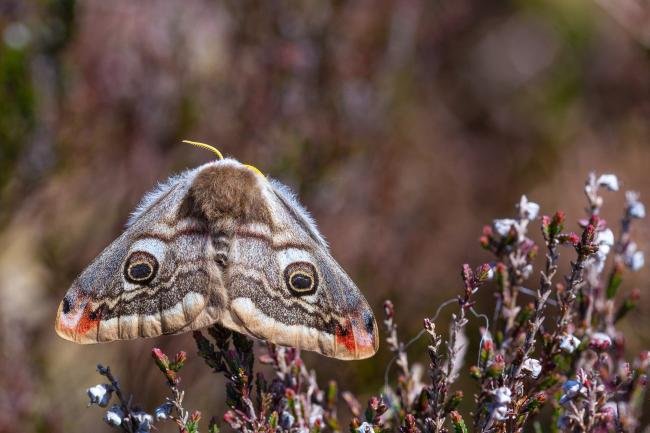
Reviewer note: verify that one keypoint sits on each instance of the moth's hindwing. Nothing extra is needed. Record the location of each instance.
(220, 244)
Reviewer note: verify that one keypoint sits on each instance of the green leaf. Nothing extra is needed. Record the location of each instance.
(615, 280)
(273, 420)
(213, 427)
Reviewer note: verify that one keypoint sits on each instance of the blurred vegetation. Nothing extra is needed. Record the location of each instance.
(404, 125)
(17, 117)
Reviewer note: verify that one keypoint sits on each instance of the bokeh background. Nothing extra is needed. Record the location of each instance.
(404, 126)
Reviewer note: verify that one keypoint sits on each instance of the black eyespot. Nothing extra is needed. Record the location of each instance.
(66, 305)
(301, 278)
(140, 268)
(140, 271)
(301, 281)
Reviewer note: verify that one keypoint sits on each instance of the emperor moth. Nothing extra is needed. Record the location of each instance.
(220, 243)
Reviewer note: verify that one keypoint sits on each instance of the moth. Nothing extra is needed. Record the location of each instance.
(220, 243)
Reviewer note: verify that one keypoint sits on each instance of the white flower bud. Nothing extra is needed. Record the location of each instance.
(316, 415)
(635, 209)
(636, 261)
(100, 394)
(499, 412)
(286, 420)
(532, 367)
(597, 263)
(571, 388)
(609, 181)
(569, 343)
(144, 421)
(502, 395)
(528, 209)
(527, 270)
(163, 411)
(114, 416)
(365, 428)
(605, 237)
(603, 251)
(502, 226)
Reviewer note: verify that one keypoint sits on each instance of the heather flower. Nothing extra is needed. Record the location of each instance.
(161, 359)
(487, 346)
(609, 411)
(144, 421)
(489, 275)
(600, 341)
(365, 428)
(569, 343)
(496, 366)
(499, 412)
(609, 181)
(316, 415)
(528, 209)
(597, 266)
(286, 420)
(571, 389)
(570, 239)
(634, 259)
(163, 412)
(502, 395)
(605, 241)
(552, 226)
(114, 416)
(635, 209)
(605, 237)
(502, 226)
(457, 422)
(532, 367)
(100, 394)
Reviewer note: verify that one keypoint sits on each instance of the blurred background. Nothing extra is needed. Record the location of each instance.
(403, 125)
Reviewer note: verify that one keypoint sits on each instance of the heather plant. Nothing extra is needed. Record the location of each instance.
(552, 347)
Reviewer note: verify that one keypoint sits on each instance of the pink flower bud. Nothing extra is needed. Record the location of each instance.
(600, 341)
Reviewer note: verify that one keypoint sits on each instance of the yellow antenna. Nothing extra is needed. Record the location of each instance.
(207, 147)
(254, 169)
(219, 155)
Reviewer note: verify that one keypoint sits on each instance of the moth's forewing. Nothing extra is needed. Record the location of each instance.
(103, 304)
